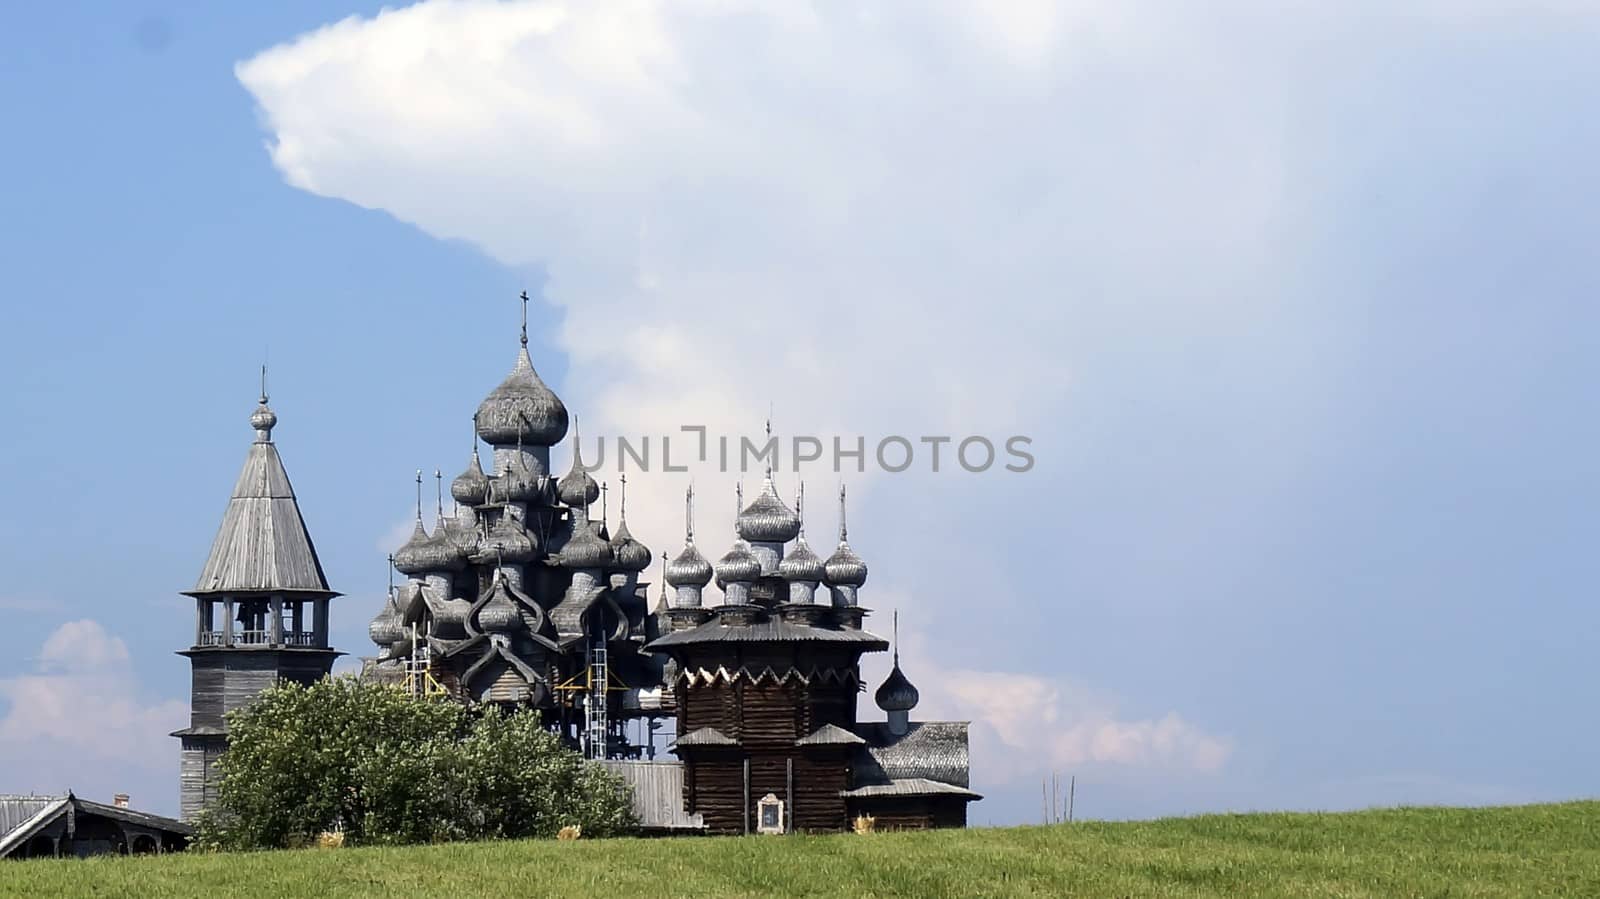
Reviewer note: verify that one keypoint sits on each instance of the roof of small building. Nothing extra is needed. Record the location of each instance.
(911, 787)
(23, 816)
(830, 735)
(705, 736)
(935, 750)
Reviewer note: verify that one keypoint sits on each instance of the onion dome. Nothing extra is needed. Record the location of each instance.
(627, 553)
(739, 566)
(767, 519)
(802, 564)
(441, 552)
(689, 569)
(508, 541)
(896, 694)
(577, 489)
(471, 487)
(386, 629)
(844, 568)
(499, 614)
(263, 420)
(586, 549)
(522, 407)
(413, 558)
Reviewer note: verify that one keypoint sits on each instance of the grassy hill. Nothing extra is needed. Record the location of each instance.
(1539, 850)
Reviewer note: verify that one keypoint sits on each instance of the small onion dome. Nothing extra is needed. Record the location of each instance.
(844, 568)
(577, 489)
(471, 487)
(739, 566)
(586, 549)
(442, 552)
(628, 554)
(386, 629)
(263, 420)
(519, 484)
(522, 406)
(802, 564)
(499, 614)
(508, 541)
(413, 558)
(767, 519)
(689, 569)
(897, 693)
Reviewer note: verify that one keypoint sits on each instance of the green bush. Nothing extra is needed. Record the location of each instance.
(386, 767)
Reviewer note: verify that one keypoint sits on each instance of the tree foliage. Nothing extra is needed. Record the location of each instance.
(387, 767)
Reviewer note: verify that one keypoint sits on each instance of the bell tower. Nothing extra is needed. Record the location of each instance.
(261, 610)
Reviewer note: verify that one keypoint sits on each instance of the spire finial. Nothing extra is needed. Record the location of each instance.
(391, 575)
(800, 507)
(769, 441)
(419, 496)
(474, 435)
(688, 515)
(663, 578)
(894, 625)
(622, 507)
(844, 532)
(263, 383)
(438, 491)
(604, 516)
(738, 499)
(524, 299)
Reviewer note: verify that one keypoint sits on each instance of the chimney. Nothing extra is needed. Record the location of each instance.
(120, 800)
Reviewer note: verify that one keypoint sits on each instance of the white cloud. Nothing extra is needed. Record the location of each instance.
(1024, 725)
(80, 721)
(879, 217)
(83, 646)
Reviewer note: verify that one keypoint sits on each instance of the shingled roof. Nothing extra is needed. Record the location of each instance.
(931, 750)
(911, 787)
(262, 545)
(770, 630)
(23, 816)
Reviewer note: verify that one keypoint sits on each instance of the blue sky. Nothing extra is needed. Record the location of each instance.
(1299, 313)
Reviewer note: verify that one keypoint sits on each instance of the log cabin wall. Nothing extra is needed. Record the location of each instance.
(714, 788)
(820, 775)
(911, 813)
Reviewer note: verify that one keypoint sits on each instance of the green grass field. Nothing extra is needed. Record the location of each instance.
(1539, 850)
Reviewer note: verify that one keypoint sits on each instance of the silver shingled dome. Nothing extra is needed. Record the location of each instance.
(500, 613)
(471, 487)
(767, 519)
(586, 549)
(577, 489)
(689, 569)
(386, 629)
(508, 541)
(413, 557)
(627, 553)
(844, 568)
(522, 406)
(802, 564)
(739, 566)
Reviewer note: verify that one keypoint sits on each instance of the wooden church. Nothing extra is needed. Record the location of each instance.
(523, 597)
